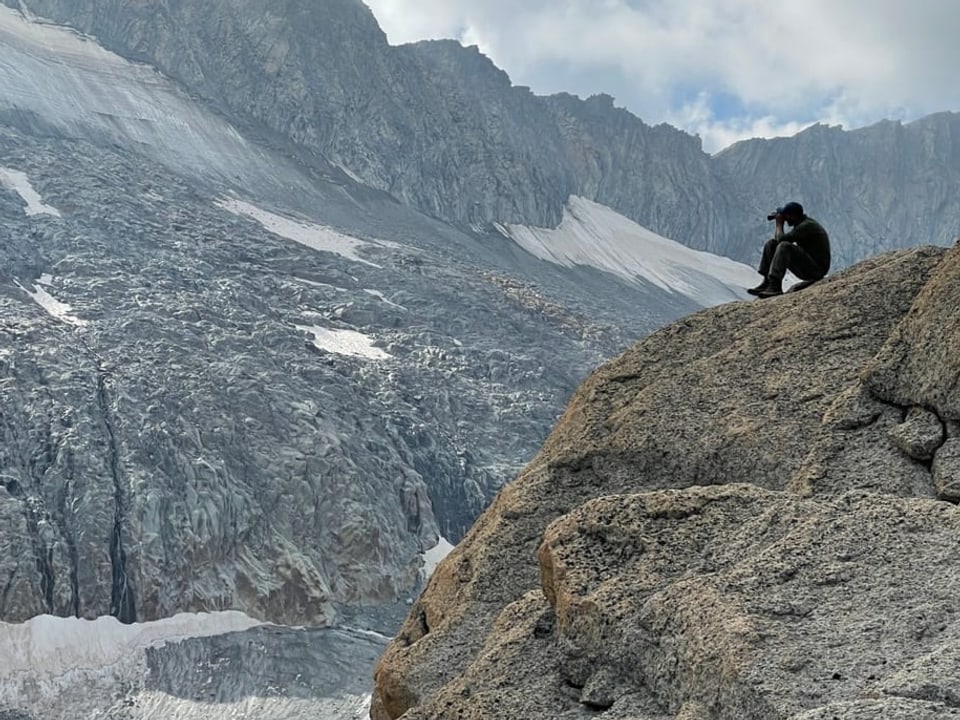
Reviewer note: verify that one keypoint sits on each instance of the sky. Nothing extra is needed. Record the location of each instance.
(721, 69)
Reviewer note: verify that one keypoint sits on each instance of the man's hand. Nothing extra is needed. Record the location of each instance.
(779, 231)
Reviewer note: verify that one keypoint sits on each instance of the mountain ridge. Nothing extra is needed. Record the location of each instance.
(439, 127)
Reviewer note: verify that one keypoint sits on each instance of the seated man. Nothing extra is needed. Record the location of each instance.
(804, 251)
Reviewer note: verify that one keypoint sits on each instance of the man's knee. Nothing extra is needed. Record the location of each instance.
(784, 250)
(782, 258)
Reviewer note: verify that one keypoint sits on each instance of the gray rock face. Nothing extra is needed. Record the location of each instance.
(439, 127)
(878, 188)
(822, 588)
(703, 618)
(919, 365)
(946, 470)
(919, 435)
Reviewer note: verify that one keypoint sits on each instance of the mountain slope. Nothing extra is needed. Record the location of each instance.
(233, 382)
(434, 124)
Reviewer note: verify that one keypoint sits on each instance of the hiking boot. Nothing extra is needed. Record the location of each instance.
(759, 288)
(773, 288)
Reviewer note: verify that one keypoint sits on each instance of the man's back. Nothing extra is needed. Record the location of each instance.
(811, 237)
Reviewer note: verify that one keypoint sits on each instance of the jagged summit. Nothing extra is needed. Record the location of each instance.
(739, 517)
(442, 129)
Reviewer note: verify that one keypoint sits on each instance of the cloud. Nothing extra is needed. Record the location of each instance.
(725, 69)
(698, 118)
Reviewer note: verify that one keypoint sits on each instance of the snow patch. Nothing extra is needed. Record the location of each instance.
(349, 173)
(344, 342)
(55, 308)
(433, 556)
(593, 234)
(72, 665)
(156, 704)
(382, 298)
(315, 283)
(46, 646)
(19, 182)
(368, 633)
(316, 237)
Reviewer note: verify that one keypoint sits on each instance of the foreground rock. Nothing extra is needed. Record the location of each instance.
(730, 521)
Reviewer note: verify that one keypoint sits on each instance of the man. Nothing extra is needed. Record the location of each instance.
(804, 251)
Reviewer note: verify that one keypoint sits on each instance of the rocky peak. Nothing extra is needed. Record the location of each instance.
(442, 129)
(460, 62)
(736, 518)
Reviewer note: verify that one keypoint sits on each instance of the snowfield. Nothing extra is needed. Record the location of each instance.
(594, 235)
(58, 668)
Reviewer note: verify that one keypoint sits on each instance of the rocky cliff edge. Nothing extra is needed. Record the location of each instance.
(750, 514)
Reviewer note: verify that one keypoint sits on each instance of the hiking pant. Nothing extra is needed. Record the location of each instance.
(782, 255)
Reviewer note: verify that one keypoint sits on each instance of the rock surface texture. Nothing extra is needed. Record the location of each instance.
(743, 516)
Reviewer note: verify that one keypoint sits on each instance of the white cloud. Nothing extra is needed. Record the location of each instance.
(732, 68)
(698, 118)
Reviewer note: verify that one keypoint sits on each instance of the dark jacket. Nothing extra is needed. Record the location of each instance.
(810, 236)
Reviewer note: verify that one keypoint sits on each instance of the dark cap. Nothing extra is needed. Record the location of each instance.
(791, 208)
